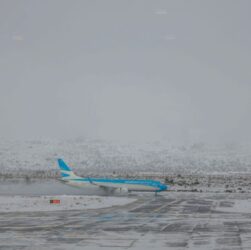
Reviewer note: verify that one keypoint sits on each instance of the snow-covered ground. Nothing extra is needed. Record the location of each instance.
(241, 206)
(68, 202)
(175, 221)
(93, 158)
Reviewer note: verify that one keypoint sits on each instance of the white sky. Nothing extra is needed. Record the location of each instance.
(126, 70)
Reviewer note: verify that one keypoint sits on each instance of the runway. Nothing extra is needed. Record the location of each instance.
(171, 220)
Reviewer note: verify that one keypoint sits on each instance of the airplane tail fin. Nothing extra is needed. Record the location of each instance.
(66, 171)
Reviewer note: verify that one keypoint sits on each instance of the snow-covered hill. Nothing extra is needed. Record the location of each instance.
(96, 158)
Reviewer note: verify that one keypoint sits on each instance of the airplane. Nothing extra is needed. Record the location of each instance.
(68, 177)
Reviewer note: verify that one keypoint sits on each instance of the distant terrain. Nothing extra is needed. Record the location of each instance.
(19, 158)
(37, 159)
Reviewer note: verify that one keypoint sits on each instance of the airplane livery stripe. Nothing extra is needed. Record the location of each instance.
(120, 181)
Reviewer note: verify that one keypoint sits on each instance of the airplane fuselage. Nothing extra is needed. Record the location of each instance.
(130, 185)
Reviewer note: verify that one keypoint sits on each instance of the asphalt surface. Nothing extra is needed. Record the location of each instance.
(169, 221)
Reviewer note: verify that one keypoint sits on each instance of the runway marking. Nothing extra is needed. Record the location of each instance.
(165, 227)
(166, 205)
(143, 203)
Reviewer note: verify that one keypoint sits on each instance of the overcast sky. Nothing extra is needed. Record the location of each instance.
(175, 71)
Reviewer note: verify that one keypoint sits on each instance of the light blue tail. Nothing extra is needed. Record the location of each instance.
(63, 166)
(66, 171)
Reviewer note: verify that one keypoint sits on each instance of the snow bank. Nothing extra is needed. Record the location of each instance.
(68, 202)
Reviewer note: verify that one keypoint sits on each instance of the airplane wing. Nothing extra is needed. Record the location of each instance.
(109, 190)
(105, 188)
